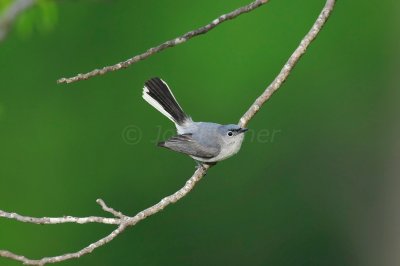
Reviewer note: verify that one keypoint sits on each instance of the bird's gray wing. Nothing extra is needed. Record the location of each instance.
(185, 143)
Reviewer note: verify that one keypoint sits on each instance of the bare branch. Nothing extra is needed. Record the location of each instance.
(290, 64)
(10, 15)
(198, 174)
(68, 256)
(124, 221)
(168, 44)
(110, 210)
(58, 220)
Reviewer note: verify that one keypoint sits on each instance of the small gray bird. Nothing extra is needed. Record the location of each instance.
(205, 142)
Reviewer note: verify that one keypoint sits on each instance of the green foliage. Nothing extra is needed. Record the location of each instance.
(48, 15)
(42, 17)
(4, 4)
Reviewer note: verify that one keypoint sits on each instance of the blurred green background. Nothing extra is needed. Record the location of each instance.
(314, 184)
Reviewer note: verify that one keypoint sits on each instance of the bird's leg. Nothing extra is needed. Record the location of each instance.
(198, 164)
(201, 164)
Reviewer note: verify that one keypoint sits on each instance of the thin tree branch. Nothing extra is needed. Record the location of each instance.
(290, 64)
(68, 256)
(168, 44)
(110, 210)
(58, 220)
(10, 15)
(124, 221)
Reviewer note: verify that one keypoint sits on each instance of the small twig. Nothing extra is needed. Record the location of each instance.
(124, 221)
(171, 43)
(110, 210)
(10, 15)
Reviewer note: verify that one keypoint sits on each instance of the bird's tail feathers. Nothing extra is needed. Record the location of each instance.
(157, 93)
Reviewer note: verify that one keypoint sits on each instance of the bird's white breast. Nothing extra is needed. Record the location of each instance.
(227, 150)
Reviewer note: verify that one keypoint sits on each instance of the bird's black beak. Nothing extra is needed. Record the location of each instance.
(242, 130)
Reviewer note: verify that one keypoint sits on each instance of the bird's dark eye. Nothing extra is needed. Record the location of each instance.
(230, 133)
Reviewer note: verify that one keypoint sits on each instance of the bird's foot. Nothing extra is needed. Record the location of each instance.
(203, 164)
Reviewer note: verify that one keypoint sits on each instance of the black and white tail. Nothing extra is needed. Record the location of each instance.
(157, 93)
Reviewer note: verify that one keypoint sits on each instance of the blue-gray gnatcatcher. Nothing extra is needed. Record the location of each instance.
(203, 141)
